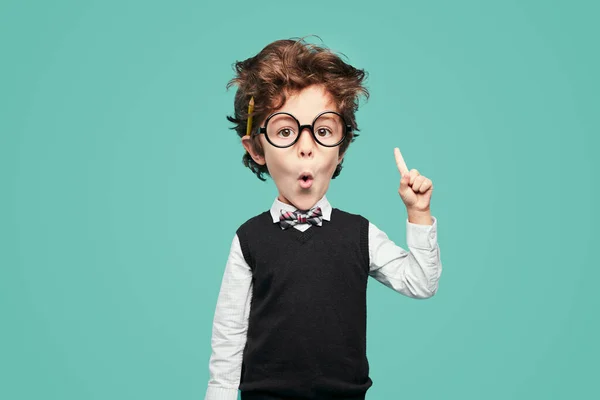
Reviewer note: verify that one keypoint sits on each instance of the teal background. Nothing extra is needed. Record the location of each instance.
(122, 187)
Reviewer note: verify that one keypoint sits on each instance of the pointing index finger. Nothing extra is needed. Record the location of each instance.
(400, 162)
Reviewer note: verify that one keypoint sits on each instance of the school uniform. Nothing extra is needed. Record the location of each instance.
(290, 320)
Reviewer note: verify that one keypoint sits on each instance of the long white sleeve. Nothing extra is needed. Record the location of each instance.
(230, 327)
(413, 273)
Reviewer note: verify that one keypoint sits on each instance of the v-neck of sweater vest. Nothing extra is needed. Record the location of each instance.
(307, 234)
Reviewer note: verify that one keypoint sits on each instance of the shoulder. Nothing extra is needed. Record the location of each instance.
(252, 221)
(348, 221)
(348, 216)
(255, 227)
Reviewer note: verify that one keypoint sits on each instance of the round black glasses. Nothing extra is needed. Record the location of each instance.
(282, 129)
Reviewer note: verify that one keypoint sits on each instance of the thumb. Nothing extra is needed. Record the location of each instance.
(404, 184)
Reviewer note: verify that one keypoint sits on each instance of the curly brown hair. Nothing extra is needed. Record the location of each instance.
(285, 67)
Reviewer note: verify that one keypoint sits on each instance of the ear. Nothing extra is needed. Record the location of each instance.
(247, 143)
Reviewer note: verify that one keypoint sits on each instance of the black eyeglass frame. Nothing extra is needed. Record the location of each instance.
(263, 129)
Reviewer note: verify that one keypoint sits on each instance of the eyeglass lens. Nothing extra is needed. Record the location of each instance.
(283, 130)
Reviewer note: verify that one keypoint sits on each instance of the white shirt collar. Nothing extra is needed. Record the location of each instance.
(279, 205)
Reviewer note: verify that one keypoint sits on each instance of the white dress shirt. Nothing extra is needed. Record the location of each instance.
(413, 273)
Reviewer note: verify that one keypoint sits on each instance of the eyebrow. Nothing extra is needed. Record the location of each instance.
(323, 116)
(326, 117)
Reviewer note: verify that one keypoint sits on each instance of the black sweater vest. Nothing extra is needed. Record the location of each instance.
(306, 334)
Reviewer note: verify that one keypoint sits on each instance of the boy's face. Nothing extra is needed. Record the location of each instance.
(287, 165)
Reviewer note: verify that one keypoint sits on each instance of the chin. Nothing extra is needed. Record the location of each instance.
(304, 201)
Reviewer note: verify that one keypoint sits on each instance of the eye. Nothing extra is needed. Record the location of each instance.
(323, 132)
(285, 133)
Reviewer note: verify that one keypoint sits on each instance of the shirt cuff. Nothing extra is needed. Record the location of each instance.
(421, 236)
(221, 393)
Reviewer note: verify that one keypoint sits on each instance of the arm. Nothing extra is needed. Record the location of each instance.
(414, 273)
(229, 327)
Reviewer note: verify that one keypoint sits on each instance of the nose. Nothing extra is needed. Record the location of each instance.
(306, 143)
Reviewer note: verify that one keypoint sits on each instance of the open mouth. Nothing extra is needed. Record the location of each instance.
(305, 180)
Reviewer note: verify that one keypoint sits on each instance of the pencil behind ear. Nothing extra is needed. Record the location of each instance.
(250, 110)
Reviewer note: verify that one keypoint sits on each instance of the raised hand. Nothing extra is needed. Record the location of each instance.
(415, 189)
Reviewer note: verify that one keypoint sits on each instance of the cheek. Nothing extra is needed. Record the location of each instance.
(276, 162)
(332, 162)
(334, 158)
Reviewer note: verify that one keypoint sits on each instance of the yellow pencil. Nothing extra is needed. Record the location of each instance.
(250, 109)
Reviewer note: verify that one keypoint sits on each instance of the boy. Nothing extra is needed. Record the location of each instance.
(290, 321)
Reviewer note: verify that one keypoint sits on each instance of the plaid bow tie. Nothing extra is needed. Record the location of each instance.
(291, 218)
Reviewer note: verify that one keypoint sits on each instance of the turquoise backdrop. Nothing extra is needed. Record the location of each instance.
(122, 187)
